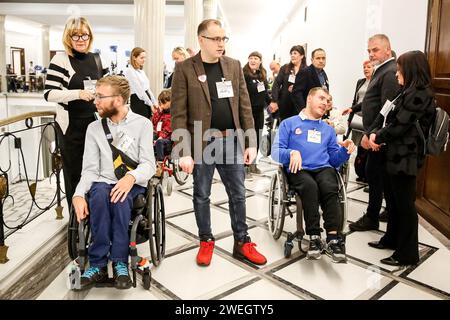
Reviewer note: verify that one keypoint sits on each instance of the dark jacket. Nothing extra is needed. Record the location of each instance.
(259, 100)
(404, 153)
(281, 94)
(383, 86)
(359, 84)
(305, 80)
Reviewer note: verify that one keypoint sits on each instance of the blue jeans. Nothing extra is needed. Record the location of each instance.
(230, 166)
(109, 224)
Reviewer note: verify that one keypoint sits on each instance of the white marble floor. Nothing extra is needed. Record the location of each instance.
(294, 278)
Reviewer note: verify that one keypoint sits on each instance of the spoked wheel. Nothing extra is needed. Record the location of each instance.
(157, 225)
(73, 237)
(180, 176)
(277, 195)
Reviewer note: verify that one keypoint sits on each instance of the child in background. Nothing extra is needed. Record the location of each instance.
(162, 129)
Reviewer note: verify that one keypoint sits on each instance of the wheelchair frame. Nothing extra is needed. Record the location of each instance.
(148, 223)
(281, 201)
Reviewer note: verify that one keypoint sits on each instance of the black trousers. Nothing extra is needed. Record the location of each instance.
(402, 226)
(377, 179)
(258, 117)
(138, 106)
(314, 188)
(72, 154)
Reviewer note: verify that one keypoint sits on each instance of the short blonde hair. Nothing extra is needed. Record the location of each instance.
(181, 51)
(119, 84)
(72, 25)
(134, 54)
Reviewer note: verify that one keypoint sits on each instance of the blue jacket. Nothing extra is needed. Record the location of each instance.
(293, 135)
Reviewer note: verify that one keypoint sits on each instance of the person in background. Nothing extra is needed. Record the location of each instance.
(162, 129)
(178, 54)
(282, 101)
(191, 52)
(334, 118)
(414, 107)
(142, 100)
(256, 80)
(275, 69)
(70, 81)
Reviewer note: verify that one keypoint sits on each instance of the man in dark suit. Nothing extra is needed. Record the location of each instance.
(210, 101)
(310, 77)
(383, 86)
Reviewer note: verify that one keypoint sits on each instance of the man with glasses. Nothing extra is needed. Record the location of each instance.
(209, 94)
(110, 193)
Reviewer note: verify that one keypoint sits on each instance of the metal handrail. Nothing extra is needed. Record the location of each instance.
(25, 116)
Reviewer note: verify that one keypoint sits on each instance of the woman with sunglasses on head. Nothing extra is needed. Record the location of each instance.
(142, 100)
(70, 82)
(413, 106)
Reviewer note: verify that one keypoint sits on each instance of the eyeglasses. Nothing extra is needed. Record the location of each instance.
(77, 37)
(217, 39)
(98, 97)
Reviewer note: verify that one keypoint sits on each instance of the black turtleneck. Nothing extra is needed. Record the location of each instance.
(84, 66)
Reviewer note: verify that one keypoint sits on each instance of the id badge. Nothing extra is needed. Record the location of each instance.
(291, 78)
(224, 89)
(388, 106)
(314, 136)
(261, 87)
(159, 126)
(122, 141)
(89, 85)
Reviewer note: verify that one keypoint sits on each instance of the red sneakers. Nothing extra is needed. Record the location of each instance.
(205, 253)
(248, 251)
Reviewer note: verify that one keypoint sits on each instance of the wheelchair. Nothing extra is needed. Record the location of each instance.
(169, 168)
(283, 201)
(147, 224)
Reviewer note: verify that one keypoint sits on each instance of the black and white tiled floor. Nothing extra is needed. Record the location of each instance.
(363, 277)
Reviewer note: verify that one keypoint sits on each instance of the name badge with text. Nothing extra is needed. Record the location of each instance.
(314, 136)
(224, 89)
(261, 87)
(291, 78)
(89, 85)
(122, 141)
(159, 126)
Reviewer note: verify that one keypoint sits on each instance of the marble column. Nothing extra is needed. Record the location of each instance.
(45, 45)
(149, 30)
(193, 15)
(3, 87)
(210, 9)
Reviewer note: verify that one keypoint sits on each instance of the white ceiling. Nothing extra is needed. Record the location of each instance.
(243, 17)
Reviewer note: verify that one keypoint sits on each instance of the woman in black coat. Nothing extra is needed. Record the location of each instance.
(256, 79)
(405, 155)
(284, 83)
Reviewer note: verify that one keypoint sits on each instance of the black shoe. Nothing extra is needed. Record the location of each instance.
(92, 276)
(336, 250)
(366, 189)
(315, 248)
(384, 216)
(391, 261)
(364, 224)
(379, 245)
(122, 278)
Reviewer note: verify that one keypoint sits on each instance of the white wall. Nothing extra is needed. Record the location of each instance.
(342, 28)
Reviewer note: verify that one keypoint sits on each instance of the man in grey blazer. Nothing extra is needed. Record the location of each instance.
(210, 112)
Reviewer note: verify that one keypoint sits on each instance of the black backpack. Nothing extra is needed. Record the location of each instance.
(438, 135)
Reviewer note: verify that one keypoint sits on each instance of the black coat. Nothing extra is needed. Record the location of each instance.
(404, 153)
(281, 94)
(383, 86)
(359, 84)
(305, 80)
(259, 100)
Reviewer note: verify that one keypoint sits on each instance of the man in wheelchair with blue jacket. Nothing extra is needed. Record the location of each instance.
(118, 161)
(307, 148)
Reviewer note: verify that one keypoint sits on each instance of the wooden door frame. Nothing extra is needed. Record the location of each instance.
(22, 59)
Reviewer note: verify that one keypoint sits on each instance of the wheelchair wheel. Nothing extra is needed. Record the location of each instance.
(277, 196)
(180, 176)
(157, 225)
(146, 278)
(72, 234)
(342, 194)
